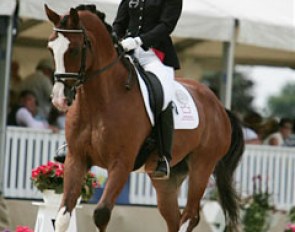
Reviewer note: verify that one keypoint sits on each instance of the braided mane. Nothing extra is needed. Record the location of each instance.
(101, 15)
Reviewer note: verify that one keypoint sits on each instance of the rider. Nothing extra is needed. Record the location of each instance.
(145, 27)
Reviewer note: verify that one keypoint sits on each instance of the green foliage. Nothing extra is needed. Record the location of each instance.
(282, 104)
(291, 225)
(256, 214)
(90, 182)
(242, 97)
(292, 215)
(257, 210)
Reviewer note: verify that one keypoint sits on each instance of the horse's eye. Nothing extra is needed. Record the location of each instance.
(74, 52)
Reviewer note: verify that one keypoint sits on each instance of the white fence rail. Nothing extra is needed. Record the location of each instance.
(276, 168)
(27, 148)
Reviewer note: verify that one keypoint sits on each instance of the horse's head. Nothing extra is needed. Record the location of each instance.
(71, 46)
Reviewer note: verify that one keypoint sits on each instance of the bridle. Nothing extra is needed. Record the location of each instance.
(81, 77)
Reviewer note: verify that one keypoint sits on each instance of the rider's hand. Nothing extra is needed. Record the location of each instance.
(131, 43)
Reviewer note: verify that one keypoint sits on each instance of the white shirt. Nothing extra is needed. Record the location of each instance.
(25, 118)
(249, 134)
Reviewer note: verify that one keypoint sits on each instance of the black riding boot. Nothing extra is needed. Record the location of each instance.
(165, 133)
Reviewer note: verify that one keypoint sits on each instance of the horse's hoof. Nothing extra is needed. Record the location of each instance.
(101, 216)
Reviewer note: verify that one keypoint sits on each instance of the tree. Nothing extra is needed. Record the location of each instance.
(242, 97)
(283, 104)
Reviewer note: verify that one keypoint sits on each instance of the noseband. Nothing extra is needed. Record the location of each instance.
(80, 76)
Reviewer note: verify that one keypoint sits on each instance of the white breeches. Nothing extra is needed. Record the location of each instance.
(150, 62)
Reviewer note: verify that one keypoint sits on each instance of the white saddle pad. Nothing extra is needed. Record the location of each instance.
(185, 113)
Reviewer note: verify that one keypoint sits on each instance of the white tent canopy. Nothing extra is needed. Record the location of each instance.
(201, 24)
(261, 23)
(7, 7)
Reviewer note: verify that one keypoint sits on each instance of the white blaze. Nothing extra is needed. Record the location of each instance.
(59, 46)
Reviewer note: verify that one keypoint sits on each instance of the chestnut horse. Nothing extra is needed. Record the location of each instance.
(107, 124)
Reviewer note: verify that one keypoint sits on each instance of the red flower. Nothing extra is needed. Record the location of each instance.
(51, 164)
(50, 176)
(59, 172)
(35, 173)
(23, 229)
(291, 227)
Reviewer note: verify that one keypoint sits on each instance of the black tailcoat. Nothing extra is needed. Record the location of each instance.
(153, 21)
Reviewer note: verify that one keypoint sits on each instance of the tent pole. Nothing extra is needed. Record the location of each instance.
(227, 75)
(6, 31)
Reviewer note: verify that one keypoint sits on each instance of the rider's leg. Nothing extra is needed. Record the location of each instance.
(165, 126)
(150, 62)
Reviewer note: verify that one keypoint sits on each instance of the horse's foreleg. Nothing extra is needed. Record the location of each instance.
(167, 191)
(74, 173)
(117, 177)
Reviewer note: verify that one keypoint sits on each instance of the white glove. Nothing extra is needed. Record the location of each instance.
(131, 43)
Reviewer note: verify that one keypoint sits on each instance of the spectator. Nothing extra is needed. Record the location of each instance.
(279, 138)
(15, 84)
(16, 80)
(291, 140)
(40, 83)
(250, 126)
(250, 136)
(270, 126)
(24, 113)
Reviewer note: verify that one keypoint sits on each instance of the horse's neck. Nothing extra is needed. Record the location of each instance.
(104, 90)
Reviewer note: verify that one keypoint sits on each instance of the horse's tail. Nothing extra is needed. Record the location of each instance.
(224, 172)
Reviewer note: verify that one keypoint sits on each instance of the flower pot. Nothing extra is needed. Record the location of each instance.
(52, 198)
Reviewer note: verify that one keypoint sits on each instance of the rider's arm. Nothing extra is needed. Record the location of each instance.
(168, 20)
(122, 19)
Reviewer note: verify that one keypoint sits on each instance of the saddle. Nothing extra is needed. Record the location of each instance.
(156, 98)
(155, 90)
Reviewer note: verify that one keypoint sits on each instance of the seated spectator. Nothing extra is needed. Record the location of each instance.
(250, 126)
(279, 138)
(291, 140)
(15, 84)
(24, 114)
(40, 82)
(250, 136)
(270, 126)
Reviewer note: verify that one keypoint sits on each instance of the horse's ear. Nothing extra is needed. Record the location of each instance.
(52, 16)
(74, 18)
